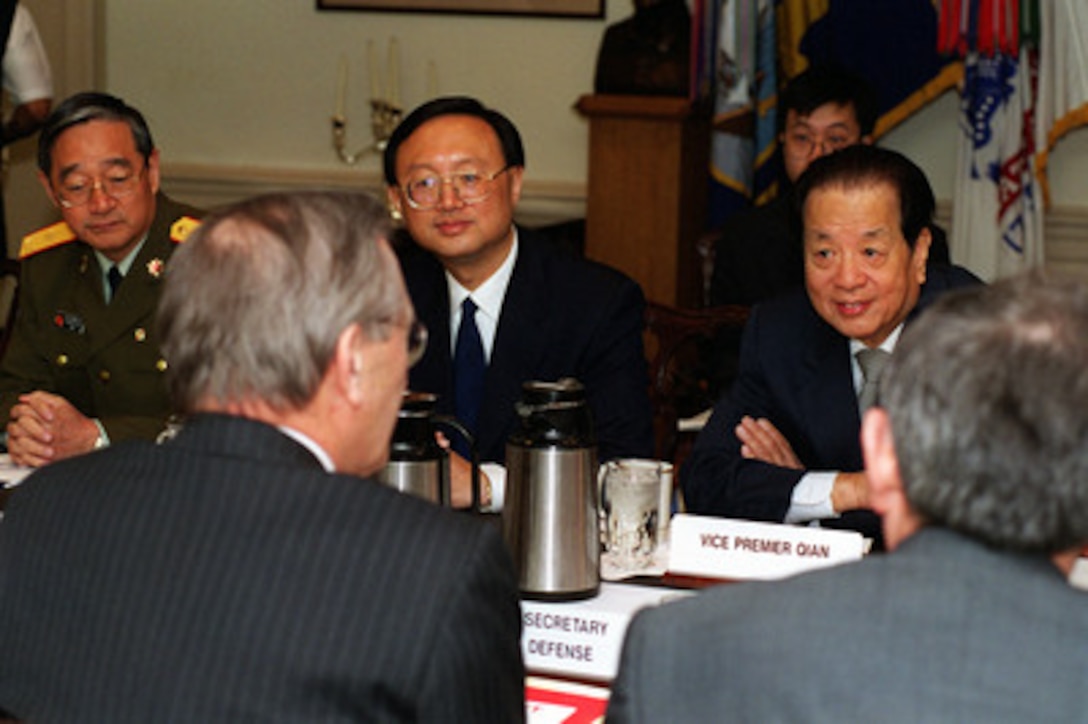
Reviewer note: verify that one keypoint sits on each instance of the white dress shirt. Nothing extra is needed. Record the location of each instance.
(488, 298)
(811, 499)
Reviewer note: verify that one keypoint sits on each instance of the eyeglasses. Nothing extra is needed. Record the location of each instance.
(417, 342)
(800, 144)
(77, 190)
(471, 187)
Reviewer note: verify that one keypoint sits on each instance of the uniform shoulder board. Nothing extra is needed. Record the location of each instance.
(180, 229)
(45, 239)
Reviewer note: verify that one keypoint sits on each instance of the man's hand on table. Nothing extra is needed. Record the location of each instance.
(45, 427)
(761, 440)
(461, 479)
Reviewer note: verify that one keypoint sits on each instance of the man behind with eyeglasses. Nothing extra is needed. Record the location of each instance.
(758, 253)
(83, 367)
(454, 173)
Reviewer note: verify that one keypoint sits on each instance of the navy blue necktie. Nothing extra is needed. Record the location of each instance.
(114, 277)
(468, 372)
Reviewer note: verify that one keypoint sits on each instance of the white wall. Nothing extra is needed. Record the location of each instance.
(251, 83)
(242, 90)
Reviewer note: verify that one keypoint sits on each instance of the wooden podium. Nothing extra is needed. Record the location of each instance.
(648, 178)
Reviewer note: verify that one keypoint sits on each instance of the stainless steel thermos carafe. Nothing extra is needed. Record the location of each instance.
(550, 516)
(417, 464)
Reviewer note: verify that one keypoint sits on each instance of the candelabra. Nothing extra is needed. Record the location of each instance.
(384, 117)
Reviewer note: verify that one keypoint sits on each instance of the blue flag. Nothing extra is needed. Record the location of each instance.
(892, 44)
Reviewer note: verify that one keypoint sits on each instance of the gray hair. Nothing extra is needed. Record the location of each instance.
(987, 393)
(86, 107)
(256, 298)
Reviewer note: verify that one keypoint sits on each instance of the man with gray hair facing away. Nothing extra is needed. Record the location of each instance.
(976, 464)
(240, 571)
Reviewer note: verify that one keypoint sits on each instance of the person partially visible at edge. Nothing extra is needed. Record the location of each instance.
(27, 75)
(454, 170)
(83, 367)
(783, 445)
(975, 462)
(27, 79)
(249, 567)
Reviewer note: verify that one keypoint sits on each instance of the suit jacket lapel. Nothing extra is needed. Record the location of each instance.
(830, 400)
(524, 308)
(434, 372)
(138, 293)
(135, 297)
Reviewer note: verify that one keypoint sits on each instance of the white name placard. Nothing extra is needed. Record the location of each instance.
(583, 639)
(741, 549)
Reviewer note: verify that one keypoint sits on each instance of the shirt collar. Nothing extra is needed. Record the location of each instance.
(489, 295)
(307, 442)
(125, 264)
(888, 345)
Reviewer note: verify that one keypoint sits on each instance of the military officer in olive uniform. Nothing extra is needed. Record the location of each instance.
(83, 366)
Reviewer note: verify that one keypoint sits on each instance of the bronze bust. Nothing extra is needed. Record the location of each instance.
(648, 53)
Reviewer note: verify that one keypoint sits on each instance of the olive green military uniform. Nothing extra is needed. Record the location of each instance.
(103, 358)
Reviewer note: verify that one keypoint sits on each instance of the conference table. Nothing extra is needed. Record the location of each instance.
(572, 649)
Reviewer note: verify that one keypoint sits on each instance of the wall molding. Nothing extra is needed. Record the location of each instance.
(542, 202)
(1066, 233)
(208, 186)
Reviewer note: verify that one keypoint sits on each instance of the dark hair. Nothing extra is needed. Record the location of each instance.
(987, 394)
(86, 107)
(820, 85)
(862, 166)
(512, 150)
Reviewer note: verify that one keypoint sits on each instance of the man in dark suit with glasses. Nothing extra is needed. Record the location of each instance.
(454, 173)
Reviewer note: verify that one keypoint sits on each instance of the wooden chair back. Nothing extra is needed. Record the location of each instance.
(679, 348)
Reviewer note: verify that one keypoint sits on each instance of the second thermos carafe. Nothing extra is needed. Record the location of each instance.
(550, 517)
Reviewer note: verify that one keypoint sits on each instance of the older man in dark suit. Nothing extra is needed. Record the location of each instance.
(976, 464)
(454, 173)
(783, 445)
(244, 570)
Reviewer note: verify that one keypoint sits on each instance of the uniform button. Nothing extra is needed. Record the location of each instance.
(140, 334)
(62, 360)
(161, 365)
(104, 375)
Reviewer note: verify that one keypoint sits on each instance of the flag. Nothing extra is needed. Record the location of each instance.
(1062, 104)
(1026, 86)
(997, 219)
(891, 44)
(744, 93)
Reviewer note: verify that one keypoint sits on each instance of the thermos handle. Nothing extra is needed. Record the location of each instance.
(474, 457)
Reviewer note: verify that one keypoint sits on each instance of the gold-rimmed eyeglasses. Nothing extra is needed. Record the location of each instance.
(471, 187)
(78, 190)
